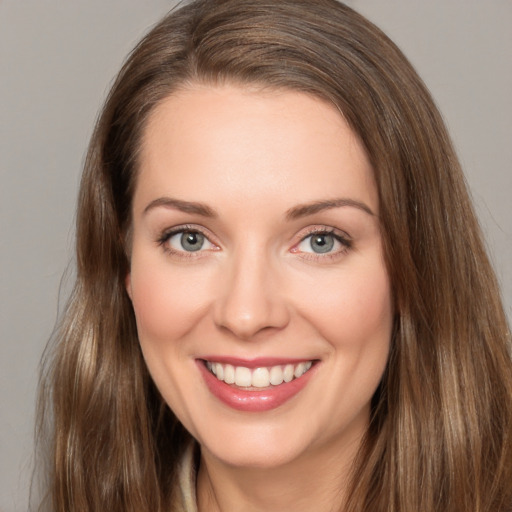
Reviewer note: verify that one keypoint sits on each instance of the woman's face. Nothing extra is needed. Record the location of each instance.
(257, 256)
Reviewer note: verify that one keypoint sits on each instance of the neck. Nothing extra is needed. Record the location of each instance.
(318, 481)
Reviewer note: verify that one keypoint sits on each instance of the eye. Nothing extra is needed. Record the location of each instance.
(323, 242)
(186, 240)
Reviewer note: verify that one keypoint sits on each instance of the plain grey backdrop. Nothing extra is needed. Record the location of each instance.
(57, 60)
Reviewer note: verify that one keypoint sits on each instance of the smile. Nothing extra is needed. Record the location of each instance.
(256, 386)
(258, 378)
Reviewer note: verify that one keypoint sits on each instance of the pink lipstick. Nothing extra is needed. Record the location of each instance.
(255, 385)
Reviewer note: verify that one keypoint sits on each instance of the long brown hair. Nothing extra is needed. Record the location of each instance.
(439, 434)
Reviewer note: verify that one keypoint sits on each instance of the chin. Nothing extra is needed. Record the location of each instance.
(256, 457)
(262, 447)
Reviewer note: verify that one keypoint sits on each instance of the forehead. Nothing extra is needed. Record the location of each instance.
(239, 144)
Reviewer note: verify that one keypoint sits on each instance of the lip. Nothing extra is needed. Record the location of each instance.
(258, 362)
(254, 401)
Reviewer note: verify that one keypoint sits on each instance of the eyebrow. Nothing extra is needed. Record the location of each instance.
(184, 206)
(303, 210)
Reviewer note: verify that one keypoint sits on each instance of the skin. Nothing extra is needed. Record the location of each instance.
(257, 288)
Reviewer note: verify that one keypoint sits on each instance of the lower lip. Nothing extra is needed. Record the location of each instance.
(253, 401)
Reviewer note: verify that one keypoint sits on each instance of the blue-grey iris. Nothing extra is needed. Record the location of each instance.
(192, 241)
(322, 243)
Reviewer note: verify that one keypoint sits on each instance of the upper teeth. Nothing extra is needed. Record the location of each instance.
(259, 377)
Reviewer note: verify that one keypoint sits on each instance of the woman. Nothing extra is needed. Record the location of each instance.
(282, 297)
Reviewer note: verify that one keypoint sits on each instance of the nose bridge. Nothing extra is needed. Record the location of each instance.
(250, 300)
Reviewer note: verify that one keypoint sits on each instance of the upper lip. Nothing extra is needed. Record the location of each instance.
(257, 362)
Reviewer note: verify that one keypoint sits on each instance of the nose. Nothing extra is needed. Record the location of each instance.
(250, 299)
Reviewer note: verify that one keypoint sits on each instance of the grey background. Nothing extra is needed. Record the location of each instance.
(56, 62)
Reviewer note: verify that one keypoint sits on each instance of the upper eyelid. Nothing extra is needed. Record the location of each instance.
(345, 241)
(325, 229)
(168, 232)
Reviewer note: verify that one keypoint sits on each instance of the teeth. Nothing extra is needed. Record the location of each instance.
(289, 370)
(259, 377)
(276, 376)
(229, 374)
(299, 370)
(242, 376)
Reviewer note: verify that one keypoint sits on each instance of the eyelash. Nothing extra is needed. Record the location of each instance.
(168, 234)
(344, 240)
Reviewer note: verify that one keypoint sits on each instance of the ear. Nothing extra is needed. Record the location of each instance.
(128, 284)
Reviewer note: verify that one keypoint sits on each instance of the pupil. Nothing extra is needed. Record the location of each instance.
(192, 241)
(322, 243)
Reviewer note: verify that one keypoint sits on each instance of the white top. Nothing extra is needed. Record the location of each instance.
(187, 480)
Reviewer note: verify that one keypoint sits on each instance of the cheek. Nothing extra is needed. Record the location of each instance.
(352, 308)
(352, 311)
(167, 305)
(167, 302)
